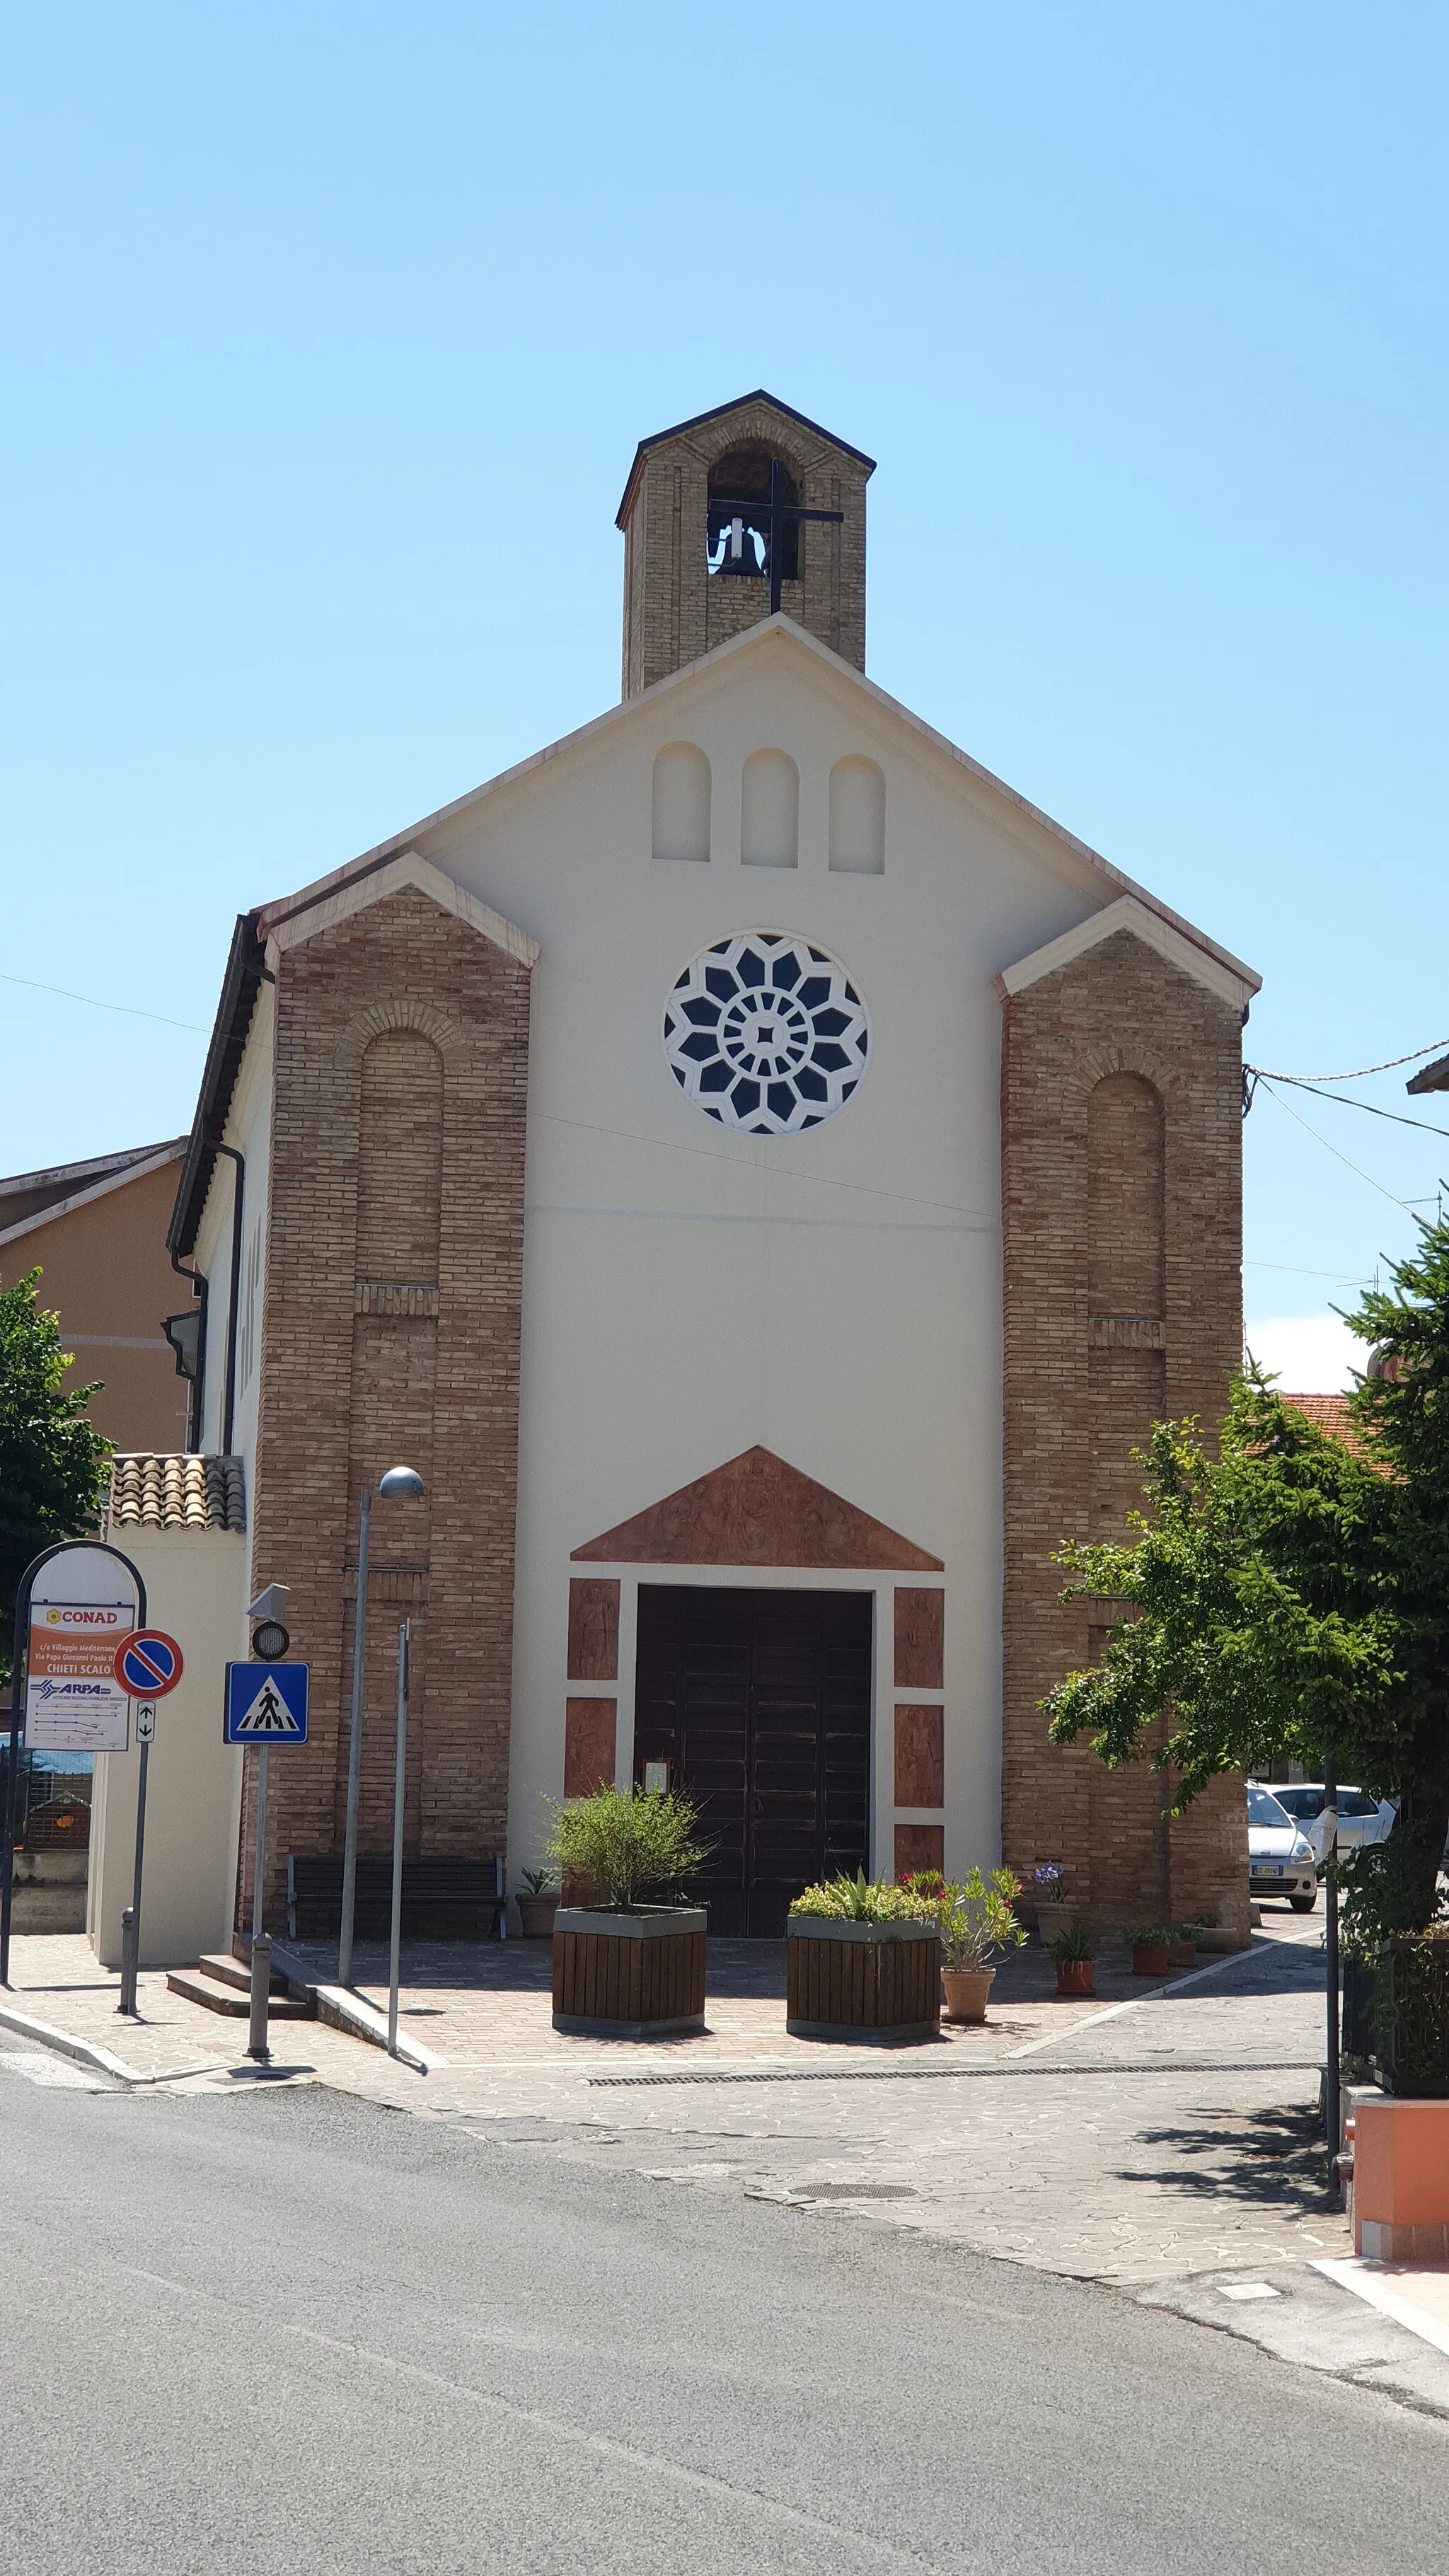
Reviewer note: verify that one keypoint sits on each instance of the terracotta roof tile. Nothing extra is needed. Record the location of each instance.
(182, 1491)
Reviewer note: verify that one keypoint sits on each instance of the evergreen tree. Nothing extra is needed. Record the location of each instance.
(1291, 1596)
(52, 1459)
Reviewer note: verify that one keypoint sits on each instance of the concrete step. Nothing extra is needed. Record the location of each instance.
(199, 1988)
(228, 1970)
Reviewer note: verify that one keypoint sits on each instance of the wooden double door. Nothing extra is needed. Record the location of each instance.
(759, 1702)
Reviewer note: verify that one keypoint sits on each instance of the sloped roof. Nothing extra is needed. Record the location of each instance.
(32, 1198)
(1431, 1077)
(182, 1490)
(720, 411)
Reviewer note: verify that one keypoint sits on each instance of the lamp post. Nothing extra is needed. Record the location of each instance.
(398, 1481)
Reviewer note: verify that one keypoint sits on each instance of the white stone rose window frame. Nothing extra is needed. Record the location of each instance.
(766, 1033)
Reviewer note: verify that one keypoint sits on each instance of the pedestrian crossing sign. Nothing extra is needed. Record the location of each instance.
(266, 1704)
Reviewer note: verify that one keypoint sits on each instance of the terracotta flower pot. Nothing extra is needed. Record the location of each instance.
(967, 1990)
(536, 1914)
(1150, 1958)
(1076, 1976)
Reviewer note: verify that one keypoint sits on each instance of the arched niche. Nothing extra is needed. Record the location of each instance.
(857, 817)
(681, 803)
(1125, 1197)
(770, 811)
(400, 1158)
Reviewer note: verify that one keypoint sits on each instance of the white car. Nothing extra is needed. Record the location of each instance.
(1280, 1855)
(1361, 1819)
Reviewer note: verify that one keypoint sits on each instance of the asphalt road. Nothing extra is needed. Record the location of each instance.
(287, 2331)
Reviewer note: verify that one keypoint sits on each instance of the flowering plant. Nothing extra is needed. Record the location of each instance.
(974, 1918)
(1049, 1883)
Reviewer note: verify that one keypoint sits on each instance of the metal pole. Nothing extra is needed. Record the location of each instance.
(131, 1964)
(354, 1746)
(1332, 2116)
(399, 1780)
(261, 1947)
(12, 1775)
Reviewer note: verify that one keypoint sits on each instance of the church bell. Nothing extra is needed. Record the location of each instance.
(742, 547)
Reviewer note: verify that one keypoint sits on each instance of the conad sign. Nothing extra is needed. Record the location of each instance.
(73, 1701)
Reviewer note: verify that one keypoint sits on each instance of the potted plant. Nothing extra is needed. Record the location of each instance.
(1151, 1950)
(862, 1962)
(1048, 1889)
(538, 1903)
(975, 1921)
(1076, 1962)
(1182, 1949)
(630, 1966)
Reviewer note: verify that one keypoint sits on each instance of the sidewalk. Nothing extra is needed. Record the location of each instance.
(1164, 2142)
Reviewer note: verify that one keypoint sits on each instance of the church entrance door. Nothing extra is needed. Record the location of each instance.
(759, 1702)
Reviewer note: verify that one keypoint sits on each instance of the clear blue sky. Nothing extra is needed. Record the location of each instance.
(331, 330)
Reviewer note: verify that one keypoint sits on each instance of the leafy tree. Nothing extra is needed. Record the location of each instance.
(52, 1459)
(1291, 1594)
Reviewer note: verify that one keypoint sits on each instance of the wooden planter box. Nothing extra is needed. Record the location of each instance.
(861, 1981)
(628, 1976)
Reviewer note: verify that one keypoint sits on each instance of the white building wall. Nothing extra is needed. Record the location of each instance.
(195, 1590)
(689, 1291)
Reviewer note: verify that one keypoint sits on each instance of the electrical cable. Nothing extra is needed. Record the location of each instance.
(1301, 1083)
(128, 1008)
(1363, 1072)
(1342, 1158)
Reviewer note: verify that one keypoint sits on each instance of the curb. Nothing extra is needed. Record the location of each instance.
(88, 2052)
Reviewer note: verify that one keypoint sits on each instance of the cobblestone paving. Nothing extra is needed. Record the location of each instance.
(1173, 2137)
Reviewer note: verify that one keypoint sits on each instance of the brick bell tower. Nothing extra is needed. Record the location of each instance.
(723, 514)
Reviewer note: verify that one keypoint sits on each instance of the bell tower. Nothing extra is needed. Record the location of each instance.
(725, 515)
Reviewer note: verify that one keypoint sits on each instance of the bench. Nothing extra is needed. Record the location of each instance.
(443, 1897)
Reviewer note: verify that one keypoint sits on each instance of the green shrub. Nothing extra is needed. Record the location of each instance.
(630, 1844)
(863, 1900)
(1154, 1936)
(974, 1918)
(1069, 1948)
(537, 1882)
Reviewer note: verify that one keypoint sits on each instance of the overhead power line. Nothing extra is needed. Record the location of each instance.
(127, 1008)
(1390, 1065)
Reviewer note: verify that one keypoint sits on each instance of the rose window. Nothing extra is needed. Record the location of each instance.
(766, 1033)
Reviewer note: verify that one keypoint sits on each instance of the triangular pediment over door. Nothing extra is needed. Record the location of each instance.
(758, 1510)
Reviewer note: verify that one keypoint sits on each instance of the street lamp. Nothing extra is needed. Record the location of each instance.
(397, 1481)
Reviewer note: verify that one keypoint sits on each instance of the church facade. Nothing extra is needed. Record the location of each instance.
(766, 1177)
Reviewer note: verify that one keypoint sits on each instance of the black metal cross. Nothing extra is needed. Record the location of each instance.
(777, 513)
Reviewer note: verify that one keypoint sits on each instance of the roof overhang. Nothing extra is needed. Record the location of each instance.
(720, 411)
(245, 967)
(115, 1171)
(1431, 1077)
(293, 921)
(1222, 973)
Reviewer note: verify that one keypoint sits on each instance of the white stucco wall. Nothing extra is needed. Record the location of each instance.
(195, 1590)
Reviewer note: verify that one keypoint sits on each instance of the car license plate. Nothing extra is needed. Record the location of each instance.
(1269, 1869)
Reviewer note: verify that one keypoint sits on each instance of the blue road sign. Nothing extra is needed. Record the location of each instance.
(266, 1704)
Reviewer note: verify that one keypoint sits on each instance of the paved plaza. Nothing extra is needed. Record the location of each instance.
(1164, 2141)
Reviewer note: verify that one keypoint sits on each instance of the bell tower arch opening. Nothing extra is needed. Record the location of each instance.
(731, 516)
(738, 518)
